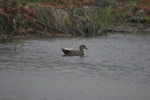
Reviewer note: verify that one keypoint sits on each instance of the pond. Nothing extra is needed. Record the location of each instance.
(115, 67)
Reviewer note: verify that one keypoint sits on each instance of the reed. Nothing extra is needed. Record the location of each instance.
(104, 18)
(3, 26)
(18, 44)
(107, 19)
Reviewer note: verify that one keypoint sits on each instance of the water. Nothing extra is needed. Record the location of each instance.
(116, 67)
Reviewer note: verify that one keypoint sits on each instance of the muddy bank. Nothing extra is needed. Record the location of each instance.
(23, 20)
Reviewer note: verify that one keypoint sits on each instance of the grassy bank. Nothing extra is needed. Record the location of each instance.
(18, 18)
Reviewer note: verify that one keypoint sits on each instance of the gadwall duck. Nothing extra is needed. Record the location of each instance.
(74, 52)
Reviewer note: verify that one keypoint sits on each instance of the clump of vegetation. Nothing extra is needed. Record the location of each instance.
(104, 18)
(54, 17)
(5, 21)
(15, 17)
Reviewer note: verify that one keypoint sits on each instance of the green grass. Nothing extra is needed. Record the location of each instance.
(3, 26)
(105, 19)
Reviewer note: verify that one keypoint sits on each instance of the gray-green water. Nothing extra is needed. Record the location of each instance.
(115, 67)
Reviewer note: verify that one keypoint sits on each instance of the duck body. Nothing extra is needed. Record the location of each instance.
(74, 52)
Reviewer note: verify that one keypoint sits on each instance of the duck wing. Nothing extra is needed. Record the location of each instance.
(65, 50)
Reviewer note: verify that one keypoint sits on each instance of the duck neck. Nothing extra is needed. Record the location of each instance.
(81, 50)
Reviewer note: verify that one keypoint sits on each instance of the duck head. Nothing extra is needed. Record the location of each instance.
(83, 47)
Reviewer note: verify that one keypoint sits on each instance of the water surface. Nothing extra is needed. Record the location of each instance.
(116, 67)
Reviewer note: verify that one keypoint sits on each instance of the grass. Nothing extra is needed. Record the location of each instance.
(3, 25)
(104, 19)
(107, 19)
(90, 21)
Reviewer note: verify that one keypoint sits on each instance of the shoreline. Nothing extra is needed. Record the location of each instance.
(19, 20)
